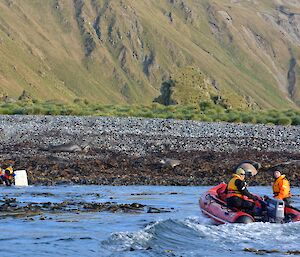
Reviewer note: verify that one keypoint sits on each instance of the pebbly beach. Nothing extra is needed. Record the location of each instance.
(138, 151)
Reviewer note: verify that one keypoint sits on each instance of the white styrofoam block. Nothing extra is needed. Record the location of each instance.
(21, 178)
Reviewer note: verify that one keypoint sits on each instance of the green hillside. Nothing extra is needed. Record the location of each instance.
(123, 51)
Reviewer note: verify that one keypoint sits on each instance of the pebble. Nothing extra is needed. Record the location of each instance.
(139, 136)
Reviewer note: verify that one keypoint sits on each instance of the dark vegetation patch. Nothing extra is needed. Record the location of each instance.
(211, 111)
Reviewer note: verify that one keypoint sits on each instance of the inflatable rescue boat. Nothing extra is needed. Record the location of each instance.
(213, 204)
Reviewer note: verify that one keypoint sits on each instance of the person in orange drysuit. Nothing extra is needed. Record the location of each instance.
(281, 187)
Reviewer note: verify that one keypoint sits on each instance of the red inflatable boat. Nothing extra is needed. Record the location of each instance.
(213, 204)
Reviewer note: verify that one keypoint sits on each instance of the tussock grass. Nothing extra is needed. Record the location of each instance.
(203, 111)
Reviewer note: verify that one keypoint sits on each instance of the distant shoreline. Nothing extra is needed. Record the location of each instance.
(128, 151)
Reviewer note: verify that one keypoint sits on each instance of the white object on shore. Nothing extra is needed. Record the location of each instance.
(21, 178)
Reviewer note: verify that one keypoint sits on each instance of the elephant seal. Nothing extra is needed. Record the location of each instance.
(169, 163)
(251, 167)
(68, 147)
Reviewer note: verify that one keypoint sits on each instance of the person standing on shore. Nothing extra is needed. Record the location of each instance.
(7, 175)
(281, 187)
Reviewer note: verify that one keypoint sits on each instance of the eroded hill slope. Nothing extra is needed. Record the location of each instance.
(120, 51)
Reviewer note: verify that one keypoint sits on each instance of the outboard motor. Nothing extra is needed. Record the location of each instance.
(275, 209)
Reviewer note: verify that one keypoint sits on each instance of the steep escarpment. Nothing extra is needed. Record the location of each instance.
(292, 77)
(123, 51)
(88, 41)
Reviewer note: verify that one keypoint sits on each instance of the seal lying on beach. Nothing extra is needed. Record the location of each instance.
(169, 163)
(68, 147)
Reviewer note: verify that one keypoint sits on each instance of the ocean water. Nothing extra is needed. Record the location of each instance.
(184, 231)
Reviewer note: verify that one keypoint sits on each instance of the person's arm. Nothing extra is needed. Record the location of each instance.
(241, 185)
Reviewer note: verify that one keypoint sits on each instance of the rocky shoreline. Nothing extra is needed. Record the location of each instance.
(129, 151)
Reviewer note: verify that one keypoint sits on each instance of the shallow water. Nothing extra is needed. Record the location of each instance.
(182, 232)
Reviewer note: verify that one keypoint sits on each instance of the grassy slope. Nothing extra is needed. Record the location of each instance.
(43, 53)
(232, 63)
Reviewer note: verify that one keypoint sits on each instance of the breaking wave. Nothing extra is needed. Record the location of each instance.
(199, 237)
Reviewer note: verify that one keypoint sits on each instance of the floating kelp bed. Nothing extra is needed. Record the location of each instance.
(262, 251)
(12, 208)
